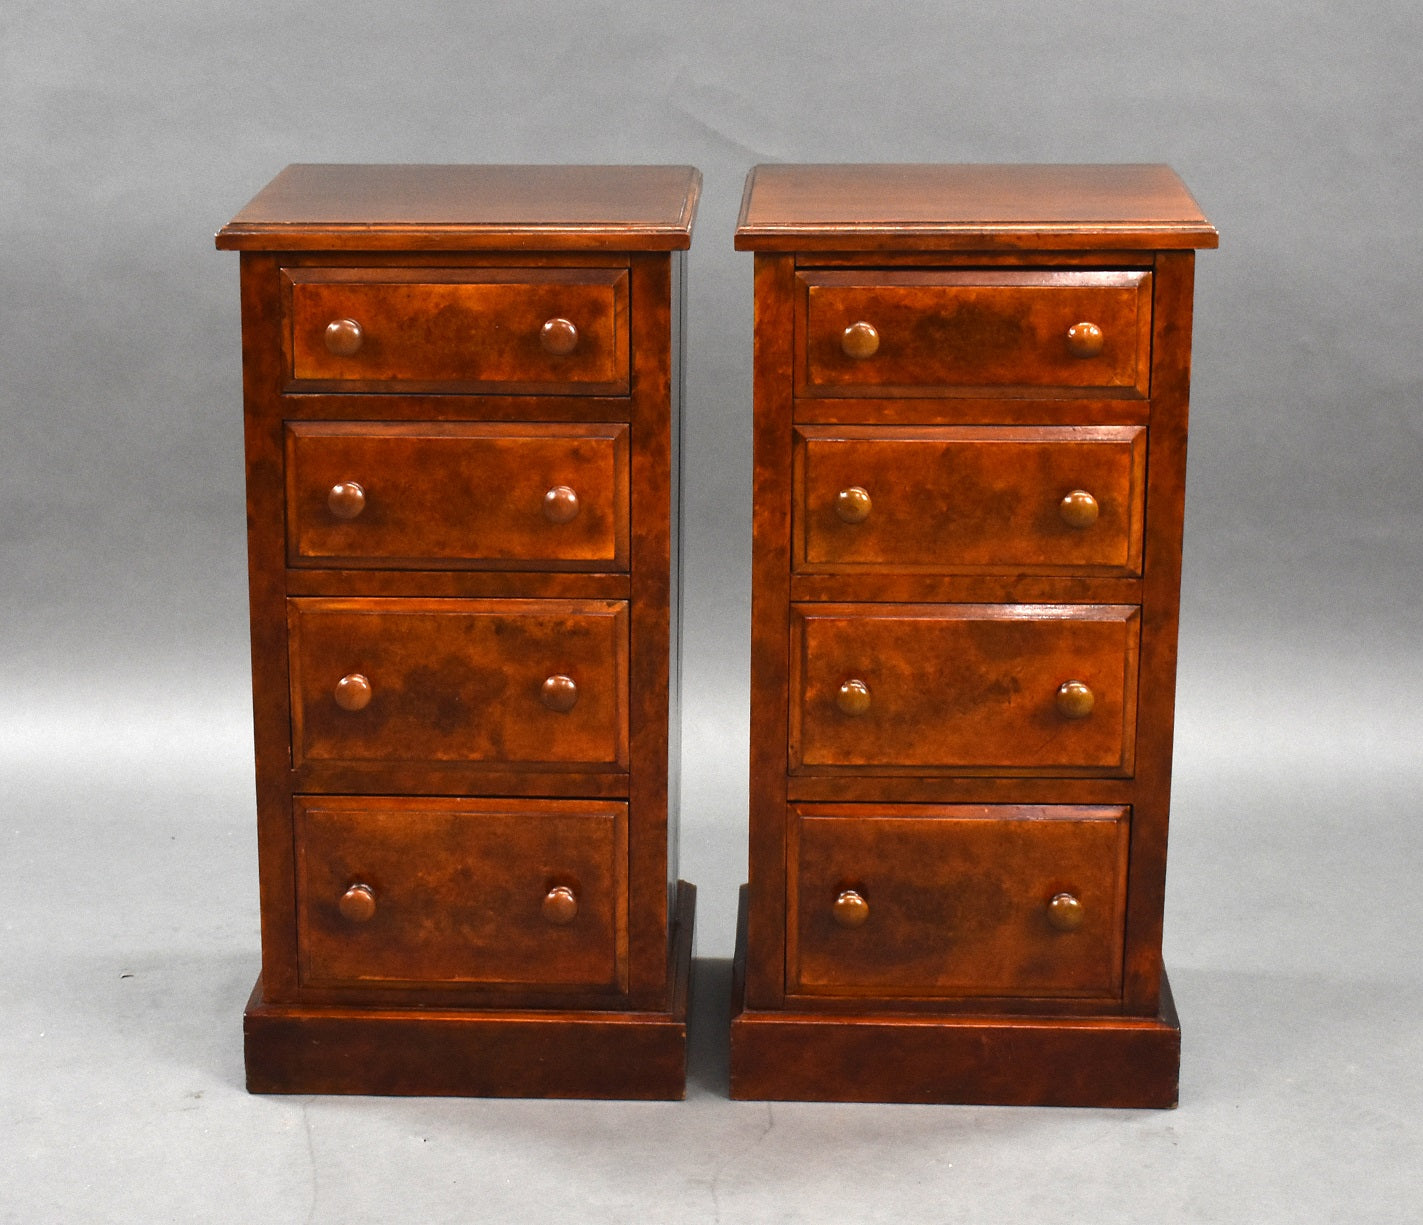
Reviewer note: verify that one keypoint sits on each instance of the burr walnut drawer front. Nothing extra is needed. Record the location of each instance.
(963, 900)
(1029, 500)
(537, 496)
(936, 688)
(479, 329)
(874, 332)
(516, 683)
(444, 892)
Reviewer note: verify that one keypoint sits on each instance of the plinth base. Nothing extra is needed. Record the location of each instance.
(451, 1052)
(848, 1056)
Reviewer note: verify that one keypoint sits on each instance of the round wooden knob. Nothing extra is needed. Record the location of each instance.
(853, 698)
(1085, 340)
(560, 905)
(1065, 912)
(559, 337)
(849, 909)
(860, 340)
(1078, 509)
(559, 693)
(560, 504)
(358, 904)
(353, 692)
(344, 337)
(1074, 700)
(853, 504)
(346, 500)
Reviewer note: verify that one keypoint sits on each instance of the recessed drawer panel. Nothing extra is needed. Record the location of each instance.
(1020, 500)
(924, 688)
(940, 332)
(963, 900)
(511, 683)
(526, 497)
(443, 892)
(486, 329)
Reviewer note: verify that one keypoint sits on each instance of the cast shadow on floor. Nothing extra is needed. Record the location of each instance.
(708, 1028)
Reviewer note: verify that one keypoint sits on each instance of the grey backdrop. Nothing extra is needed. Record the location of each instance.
(130, 131)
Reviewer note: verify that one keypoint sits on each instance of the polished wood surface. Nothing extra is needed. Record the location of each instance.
(478, 495)
(460, 680)
(855, 1054)
(333, 207)
(462, 327)
(949, 332)
(970, 422)
(961, 687)
(463, 394)
(954, 499)
(459, 891)
(491, 1051)
(925, 208)
(957, 900)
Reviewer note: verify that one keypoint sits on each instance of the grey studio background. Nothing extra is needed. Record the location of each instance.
(129, 132)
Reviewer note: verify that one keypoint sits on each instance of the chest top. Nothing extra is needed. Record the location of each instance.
(393, 208)
(968, 207)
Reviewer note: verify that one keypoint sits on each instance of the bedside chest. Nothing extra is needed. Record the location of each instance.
(970, 444)
(463, 391)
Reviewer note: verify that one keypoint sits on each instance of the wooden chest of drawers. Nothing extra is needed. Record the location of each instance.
(970, 437)
(462, 390)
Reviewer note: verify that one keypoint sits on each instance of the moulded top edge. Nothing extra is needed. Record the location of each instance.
(395, 207)
(868, 207)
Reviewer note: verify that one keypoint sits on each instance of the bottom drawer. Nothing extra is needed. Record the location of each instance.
(445, 892)
(956, 900)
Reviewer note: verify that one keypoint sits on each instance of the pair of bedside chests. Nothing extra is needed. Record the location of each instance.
(464, 393)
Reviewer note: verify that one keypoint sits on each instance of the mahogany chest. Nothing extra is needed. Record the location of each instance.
(970, 443)
(462, 391)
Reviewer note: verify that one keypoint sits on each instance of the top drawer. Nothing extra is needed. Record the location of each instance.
(878, 332)
(512, 330)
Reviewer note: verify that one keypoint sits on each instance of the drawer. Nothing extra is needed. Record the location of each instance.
(442, 892)
(531, 684)
(963, 900)
(475, 329)
(875, 332)
(953, 500)
(924, 688)
(499, 497)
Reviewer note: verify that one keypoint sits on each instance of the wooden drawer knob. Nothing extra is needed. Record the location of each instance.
(559, 693)
(853, 505)
(346, 500)
(560, 504)
(1074, 700)
(344, 337)
(860, 340)
(358, 904)
(1085, 340)
(1079, 509)
(1065, 912)
(559, 337)
(853, 698)
(560, 906)
(850, 909)
(353, 692)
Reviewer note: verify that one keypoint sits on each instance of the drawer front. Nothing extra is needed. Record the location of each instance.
(920, 688)
(958, 900)
(526, 497)
(893, 333)
(512, 683)
(443, 892)
(488, 329)
(947, 500)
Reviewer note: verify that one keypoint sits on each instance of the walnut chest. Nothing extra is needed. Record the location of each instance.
(970, 443)
(462, 391)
